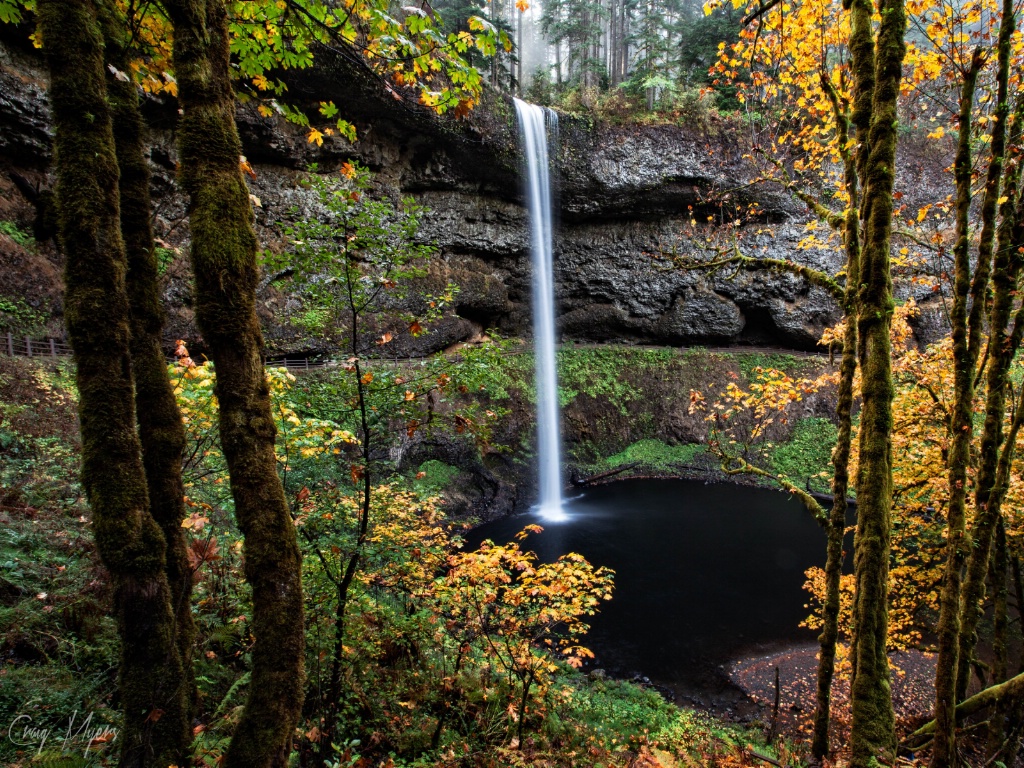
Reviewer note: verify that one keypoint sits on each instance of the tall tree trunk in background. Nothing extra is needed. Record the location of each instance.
(1006, 264)
(954, 657)
(841, 453)
(965, 348)
(837, 516)
(1000, 630)
(872, 735)
(161, 431)
(519, 52)
(131, 544)
(224, 260)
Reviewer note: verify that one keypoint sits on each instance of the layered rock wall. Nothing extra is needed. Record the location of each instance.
(627, 196)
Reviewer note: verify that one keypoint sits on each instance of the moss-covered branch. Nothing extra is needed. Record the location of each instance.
(738, 260)
(737, 465)
(835, 219)
(1009, 693)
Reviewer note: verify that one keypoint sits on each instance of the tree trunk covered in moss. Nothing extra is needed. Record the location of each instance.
(1002, 347)
(161, 430)
(1000, 630)
(862, 52)
(872, 735)
(965, 346)
(836, 525)
(128, 539)
(224, 261)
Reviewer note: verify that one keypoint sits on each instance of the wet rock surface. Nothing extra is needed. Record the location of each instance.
(627, 195)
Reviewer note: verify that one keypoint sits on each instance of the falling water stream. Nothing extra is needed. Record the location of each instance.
(533, 127)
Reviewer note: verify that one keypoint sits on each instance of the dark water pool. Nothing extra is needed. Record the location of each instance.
(704, 573)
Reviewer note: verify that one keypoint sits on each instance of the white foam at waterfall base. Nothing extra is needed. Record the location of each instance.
(533, 129)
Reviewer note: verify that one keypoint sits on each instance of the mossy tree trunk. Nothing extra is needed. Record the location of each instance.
(1000, 631)
(862, 52)
(872, 736)
(161, 431)
(966, 344)
(836, 525)
(129, 540)
(960, 601)
(1003, 344)
(223, 254)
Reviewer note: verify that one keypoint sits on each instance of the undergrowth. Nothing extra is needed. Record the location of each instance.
(656, 455)
(807, 455)
(58, 651)
(749, 362)
(58, 640)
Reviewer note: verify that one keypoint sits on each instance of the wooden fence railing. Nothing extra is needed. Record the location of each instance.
(25, 346)
(28, 347)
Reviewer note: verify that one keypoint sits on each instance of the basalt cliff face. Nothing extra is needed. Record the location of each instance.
(627, 195)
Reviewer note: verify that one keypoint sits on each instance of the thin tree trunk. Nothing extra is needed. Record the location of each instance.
(1000, 630)
(224, 261)
(128, 539)
(161, 431)
(1006, 264)
(872, 736)
(519, 52)
(1018, 593)
(960, 435)
(841, 453)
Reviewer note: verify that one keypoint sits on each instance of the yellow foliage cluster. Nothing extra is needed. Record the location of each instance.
(921, 440)
(194, 388)
(521, 608)
(741, 418)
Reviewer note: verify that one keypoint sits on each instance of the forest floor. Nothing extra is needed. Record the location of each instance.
(913, 688)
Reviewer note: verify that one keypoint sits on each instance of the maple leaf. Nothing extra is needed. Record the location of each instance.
(246, 166)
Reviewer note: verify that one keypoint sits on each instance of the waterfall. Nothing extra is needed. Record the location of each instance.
(538, 199)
